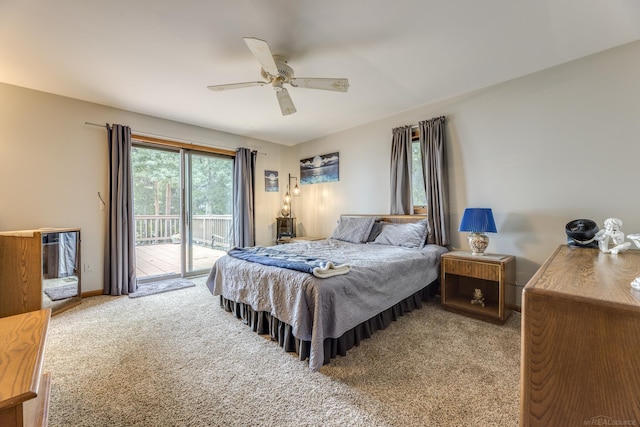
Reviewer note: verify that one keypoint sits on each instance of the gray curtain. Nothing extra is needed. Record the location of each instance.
(120, 260)
(434, 168)
(401, 201)
(244, 180)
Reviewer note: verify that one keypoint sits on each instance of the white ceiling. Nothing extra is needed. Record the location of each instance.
(157, 56)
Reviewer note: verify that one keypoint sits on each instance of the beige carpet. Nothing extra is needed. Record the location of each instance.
(177, 359)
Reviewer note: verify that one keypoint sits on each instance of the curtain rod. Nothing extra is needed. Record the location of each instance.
(434, 118)
(170, 138)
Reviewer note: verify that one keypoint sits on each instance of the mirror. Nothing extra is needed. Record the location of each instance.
(60, 269)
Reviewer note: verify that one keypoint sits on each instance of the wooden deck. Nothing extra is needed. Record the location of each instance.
(161, 259)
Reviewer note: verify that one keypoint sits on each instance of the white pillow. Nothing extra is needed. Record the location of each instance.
(410, 235)
(353, 229)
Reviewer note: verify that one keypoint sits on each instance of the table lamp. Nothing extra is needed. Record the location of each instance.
(478, 221)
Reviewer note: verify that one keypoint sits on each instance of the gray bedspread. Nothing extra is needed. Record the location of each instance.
(380, 277)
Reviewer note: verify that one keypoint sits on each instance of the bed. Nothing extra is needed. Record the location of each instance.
(390, 271)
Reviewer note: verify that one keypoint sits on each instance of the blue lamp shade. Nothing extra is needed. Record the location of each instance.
(478, 220)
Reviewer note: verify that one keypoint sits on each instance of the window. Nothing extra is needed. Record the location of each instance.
(418, 192)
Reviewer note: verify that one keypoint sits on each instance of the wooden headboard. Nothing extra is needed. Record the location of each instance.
(391, 218)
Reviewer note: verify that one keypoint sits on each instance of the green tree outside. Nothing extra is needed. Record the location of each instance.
(156, 183)
(418, 191)
(156, 191)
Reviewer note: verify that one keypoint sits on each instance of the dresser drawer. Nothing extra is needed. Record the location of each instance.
(478, 270)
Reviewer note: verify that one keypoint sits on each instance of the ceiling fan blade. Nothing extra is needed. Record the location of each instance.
(339, 85)
(261, 51)
(286, 104)
(219, 88)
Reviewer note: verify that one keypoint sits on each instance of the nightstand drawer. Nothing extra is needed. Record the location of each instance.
(478, 270)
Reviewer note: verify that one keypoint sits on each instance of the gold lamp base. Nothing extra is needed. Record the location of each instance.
(478, 243)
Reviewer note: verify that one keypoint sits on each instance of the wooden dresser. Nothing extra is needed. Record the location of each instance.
(24, 389)
(580, 361)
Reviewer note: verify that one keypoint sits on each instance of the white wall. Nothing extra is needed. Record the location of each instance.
(52, 166)
(540, 150)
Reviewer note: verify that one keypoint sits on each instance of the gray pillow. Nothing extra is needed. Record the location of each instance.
(353, 229)
(375, 230)
(410, 235)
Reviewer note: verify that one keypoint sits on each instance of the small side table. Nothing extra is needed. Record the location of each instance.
(285, 229)
(463, 273)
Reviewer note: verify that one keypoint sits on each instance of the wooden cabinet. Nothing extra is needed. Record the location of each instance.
(285, 229)
(580, 361)
(24, 389)
(463, 273)
(39, 269)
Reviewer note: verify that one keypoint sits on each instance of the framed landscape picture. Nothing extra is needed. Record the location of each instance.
(318, 169)
(271, 181)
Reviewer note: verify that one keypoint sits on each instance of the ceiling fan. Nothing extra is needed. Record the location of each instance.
(276, 72)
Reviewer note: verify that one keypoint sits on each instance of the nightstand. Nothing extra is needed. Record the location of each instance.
(285, 229)
(462, 273)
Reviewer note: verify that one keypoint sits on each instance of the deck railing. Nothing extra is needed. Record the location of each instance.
(207, 230)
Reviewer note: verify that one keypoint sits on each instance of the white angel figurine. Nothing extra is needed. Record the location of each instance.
(611, 239)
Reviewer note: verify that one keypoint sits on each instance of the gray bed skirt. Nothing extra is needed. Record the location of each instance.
(263, 323)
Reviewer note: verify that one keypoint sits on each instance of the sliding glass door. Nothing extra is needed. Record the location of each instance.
(208, 209)
(182, 210)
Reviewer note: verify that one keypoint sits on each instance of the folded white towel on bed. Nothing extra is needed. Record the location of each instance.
(320, 268)
(330, 270)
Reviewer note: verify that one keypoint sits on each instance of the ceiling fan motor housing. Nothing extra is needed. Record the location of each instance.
(285, 71)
